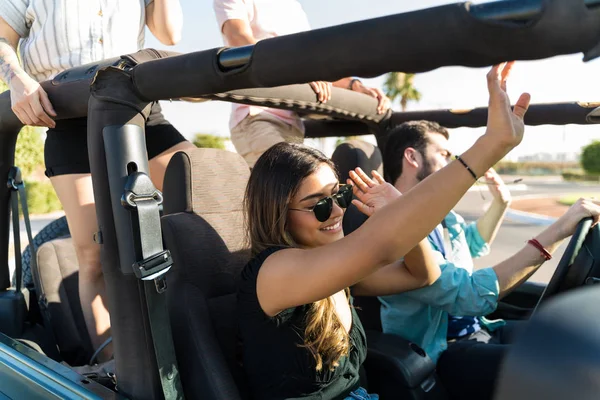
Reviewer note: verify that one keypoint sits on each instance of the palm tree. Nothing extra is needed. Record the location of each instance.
(400, 85)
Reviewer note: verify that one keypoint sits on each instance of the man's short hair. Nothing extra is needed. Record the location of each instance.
(409, 134)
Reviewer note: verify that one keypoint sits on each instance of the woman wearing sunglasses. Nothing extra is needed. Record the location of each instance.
(302, 338)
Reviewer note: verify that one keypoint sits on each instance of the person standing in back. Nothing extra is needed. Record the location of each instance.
(245, 22)
(52, 36)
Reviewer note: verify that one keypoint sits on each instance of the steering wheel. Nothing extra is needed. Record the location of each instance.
(566, 262)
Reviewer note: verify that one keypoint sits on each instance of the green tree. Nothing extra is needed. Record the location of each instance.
(590, 158)
(29, 153)
(208, 140)
(400, 85)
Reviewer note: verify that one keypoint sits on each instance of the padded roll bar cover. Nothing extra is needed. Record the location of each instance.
(344, 104)
(579, 113)
(394, 359)
(334, 128)
(557, 355)
(135, 361)
(190, 75)
(69, 91)
(446, 35)
(538, 114)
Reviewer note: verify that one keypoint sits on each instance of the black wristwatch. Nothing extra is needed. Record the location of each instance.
(352, 83)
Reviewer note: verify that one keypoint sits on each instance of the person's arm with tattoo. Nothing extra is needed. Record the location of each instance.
(29, 101)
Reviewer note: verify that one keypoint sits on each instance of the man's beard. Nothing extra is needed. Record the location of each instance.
(425, 171)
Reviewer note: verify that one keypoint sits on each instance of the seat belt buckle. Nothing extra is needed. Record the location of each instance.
(154, 266)
(14, 178)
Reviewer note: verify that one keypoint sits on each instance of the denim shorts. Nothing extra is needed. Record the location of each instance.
(361, 394)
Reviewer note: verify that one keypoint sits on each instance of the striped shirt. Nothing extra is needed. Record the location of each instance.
(61, 34)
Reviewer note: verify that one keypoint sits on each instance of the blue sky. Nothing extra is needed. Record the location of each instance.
(553, 80)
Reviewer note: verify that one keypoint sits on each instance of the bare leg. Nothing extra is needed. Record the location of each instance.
(76, 194)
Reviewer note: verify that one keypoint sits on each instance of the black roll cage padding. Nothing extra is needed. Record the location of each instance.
(537, 114)
(579, 113)
(446, 35)
(512, 11)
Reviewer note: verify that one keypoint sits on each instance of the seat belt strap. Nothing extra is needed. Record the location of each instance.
(14, 201)
(143, 200)
(17, 186)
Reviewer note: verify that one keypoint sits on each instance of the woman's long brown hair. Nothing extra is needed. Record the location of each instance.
(275, 179)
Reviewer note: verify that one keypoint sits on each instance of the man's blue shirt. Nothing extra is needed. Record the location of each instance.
(421, 315)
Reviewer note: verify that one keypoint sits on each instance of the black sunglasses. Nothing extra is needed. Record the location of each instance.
(324, 207)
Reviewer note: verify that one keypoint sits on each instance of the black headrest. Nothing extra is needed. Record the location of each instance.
(357, 153)
(205, 181)
(348, 156)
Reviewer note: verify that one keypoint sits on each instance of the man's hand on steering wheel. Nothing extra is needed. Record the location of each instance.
(583, 208)
(572, 223)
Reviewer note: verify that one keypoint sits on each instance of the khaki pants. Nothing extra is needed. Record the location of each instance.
(257, 133)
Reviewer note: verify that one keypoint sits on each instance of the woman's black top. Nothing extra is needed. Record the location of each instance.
(276, 364)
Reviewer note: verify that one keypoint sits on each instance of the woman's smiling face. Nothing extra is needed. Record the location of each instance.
(304, 227)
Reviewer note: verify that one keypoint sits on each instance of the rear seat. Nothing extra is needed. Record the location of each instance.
(57, 286)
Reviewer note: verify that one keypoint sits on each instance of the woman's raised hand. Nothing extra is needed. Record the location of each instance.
(371, 194)
(505, 124)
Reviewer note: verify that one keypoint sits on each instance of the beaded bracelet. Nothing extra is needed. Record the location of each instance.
(457, 157)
